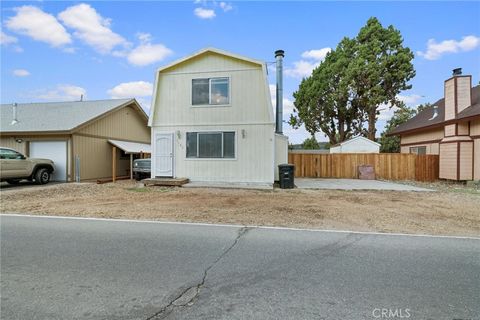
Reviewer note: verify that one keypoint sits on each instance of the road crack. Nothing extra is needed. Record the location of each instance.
(187, 296)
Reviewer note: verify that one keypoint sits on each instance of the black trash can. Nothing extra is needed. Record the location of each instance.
(286, 176)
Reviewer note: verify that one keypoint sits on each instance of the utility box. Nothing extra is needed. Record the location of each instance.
(286, 176)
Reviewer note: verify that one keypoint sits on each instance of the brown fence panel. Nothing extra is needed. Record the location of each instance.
(390, 166)
(426, 168)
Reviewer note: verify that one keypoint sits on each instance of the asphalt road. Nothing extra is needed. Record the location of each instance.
(85, 269)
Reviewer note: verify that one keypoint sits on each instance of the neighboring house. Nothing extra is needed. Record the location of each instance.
(449, 128)
(356, 145)
(86, 130)
(212, 120)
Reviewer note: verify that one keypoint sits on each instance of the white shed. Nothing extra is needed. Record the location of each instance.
(212, 120)
(356, 145)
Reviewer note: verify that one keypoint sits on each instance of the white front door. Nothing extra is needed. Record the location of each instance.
(164, 155)
(55, 151)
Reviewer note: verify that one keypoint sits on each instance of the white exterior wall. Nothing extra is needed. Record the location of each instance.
(250, 109)
(281, 152)
(356, 145)
(253, 160)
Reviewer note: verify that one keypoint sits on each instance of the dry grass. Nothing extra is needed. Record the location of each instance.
(442, 212)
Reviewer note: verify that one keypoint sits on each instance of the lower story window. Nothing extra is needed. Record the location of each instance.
(211, 145)
(418, 150)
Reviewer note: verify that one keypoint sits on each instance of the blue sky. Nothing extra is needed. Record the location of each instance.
(54, 51)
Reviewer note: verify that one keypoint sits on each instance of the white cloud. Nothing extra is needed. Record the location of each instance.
(435, 50)
(287, 103)
(203, 13)
(225, 6)
(144, 37)
(5, 39)
(147, 53)
(39, 25)
(63, 92)
(301, 69)
(311, 60)
(91, 28)
(21, 73)
(318, 55)
(410, 100)
(131, 89)
(386, 112)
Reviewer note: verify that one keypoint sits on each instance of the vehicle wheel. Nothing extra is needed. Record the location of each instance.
(13, 181)
(42, 176)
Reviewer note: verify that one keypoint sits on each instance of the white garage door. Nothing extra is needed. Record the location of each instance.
(55, 151)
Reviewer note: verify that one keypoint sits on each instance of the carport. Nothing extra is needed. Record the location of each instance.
(131, 148)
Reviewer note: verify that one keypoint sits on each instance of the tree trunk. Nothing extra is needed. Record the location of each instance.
(371, 125)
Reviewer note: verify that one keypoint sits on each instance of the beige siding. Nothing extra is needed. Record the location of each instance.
(462, 129)
(96, 158)
(254, 155)
(124, 124)
(476, 159)
(450, 130)
(9, 142)
(90, 143)
(475, 128)
(418, 137)
(463, 92)
(448, 161)
(466, 152)
(431, 148)
(249, 95)
(450, 99)
(249, 109)
(210, 62)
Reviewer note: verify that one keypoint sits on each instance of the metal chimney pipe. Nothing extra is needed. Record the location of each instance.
(279, 54)
(14, 115)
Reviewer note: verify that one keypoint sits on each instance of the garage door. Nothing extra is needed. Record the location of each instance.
(55, 151)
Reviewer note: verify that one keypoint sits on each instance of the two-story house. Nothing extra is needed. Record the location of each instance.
(212, 120)
(449, 128)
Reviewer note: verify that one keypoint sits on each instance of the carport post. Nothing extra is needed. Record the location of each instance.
(114, 163)
(131, 166)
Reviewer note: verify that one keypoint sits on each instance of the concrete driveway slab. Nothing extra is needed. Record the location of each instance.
(354, 184)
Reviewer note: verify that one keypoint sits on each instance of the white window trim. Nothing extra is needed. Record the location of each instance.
(210, 105)
(214, 159)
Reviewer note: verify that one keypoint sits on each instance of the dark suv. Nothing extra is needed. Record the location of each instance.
(142, 168)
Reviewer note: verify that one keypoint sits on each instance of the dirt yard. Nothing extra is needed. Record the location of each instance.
(443, 212)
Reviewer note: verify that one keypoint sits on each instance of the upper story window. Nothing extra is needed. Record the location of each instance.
(212, 91)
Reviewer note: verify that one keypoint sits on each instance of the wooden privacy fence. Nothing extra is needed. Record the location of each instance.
(389, 166)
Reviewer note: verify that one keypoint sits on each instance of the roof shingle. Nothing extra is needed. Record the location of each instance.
(54, 116)
(424, 118)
